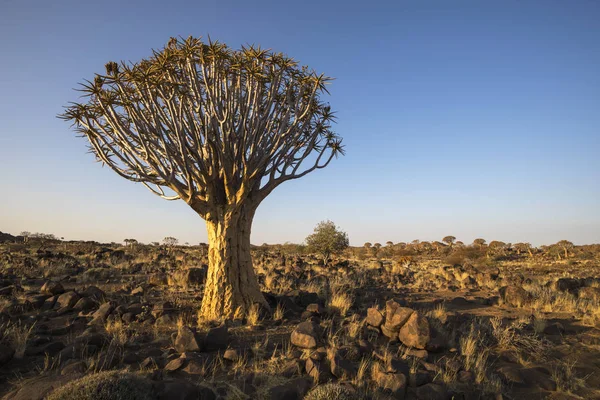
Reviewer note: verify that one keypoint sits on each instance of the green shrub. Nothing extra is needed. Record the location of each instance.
(331, 391)
(107, 385)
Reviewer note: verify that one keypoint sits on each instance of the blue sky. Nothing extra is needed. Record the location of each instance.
(470, 118)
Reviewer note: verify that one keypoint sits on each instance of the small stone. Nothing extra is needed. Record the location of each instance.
(217, 338)
(415, 333)
(315, 308)
(52, 288)
(94, 293)
(175, 364)
(374, 317)
(67, 299)
(306, 335)
(186, 340)
(432, 391)
(392, 382)
(85, 304)
(231, 355)
(74, 367)
(515, 296)
(138, 291)
(103, 311)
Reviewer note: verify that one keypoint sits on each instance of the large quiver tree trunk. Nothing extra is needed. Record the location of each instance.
(231, 283)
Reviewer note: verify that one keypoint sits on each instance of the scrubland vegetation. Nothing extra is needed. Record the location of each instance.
(419, 320)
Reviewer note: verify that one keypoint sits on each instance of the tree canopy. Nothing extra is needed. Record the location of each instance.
(327, 239)
(212, 124)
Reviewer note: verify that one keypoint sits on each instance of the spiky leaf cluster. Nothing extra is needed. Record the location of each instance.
(212, 124)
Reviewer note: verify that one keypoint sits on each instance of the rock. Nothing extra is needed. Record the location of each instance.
(554, 329)
(162, 308)
(149, 363)
(74, 367)
(340, 367)
(396, 316)
(415, 332)
(306, 335)
(315, 308)
(567, 285)
(36, 301)
(391, 334)
(191, 277)
(420, 378)
(186, 340)
(515, 296)
(421, 354)
(49, 303)
(131, 357)
(158, 279)
(6, 354)
(138, 291)
(217, 338)
(103, 311)
(291, 390)
(166, 320)
(291, 368)
(52, 288)
(390, 382)
(85, 304)
(231, 355)
(395, 365)
(67, 299)
(432, 391)
(94, 293)
(175, 364)
(510, 374)
(374, 317)
(318, 370)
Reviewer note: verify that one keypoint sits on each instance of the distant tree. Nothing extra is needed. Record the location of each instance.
(130, 242)
(389, 243)
(437, 245)
(217, 128)
(496, 247)
(170, 241)
(155, 244)
(327, 239)
(26, 235)
(479, 242)
(377, 246)
(522, 247)
(367, 245)
(565, 245)
(449, 240)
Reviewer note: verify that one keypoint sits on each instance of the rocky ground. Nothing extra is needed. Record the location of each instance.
(75, 314)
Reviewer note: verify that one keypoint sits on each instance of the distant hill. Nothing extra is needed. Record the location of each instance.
(6, 237)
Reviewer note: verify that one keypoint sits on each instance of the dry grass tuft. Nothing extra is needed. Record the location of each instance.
(341, 302)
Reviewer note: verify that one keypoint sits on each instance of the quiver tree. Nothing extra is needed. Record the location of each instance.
(217, 128)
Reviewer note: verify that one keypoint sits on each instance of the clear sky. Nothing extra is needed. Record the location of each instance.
(471, 118)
